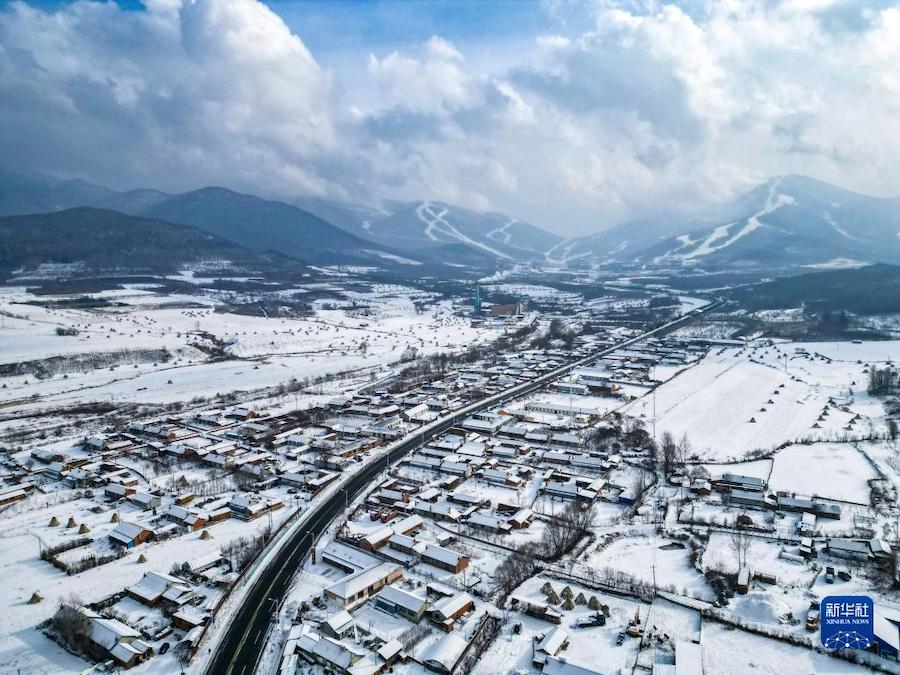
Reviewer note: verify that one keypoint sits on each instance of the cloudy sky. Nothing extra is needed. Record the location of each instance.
(574, 115)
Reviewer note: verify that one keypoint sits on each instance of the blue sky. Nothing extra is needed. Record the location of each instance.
(360, 25)
(492, 35)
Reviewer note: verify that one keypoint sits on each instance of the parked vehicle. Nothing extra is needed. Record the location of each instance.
(829, 575)
(620, 638)
(844, 575)
(812, 616)
(595, 619)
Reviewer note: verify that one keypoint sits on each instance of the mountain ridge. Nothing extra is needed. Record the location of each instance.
(104, 241)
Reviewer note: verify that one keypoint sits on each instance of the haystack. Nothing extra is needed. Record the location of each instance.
(594, 603)
(34, 599)
(115, 518)
(567, 592)
(71, 523)
(568, 605)
(54, 522)
(205, 535)
(142, 558)
(84, 529)
(552, 597)
(580, 599)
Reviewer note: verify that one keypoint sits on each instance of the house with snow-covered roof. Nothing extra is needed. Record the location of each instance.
(130, 535)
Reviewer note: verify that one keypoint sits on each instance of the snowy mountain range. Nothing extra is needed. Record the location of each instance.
(423, 226)
(259, 225)
(787, 223)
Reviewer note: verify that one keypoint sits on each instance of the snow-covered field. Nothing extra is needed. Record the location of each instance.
(832, 470)
(644, 556)
(374, 331)
(735, 401)
(727, 650)
(719, 555)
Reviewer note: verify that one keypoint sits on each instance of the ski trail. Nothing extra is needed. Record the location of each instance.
(837, 228)
(437, 223)
(774, 202)
(566, 246)
(503, 230)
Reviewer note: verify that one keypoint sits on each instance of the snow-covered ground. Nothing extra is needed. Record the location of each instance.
(831, 470)
(728, 650)
(739, 400)
(374, 331)
(645, 556)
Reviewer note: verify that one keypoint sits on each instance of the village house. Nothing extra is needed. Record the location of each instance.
(144, 500)
(447, 610)
(444, 558)
(113, 639)
(399, 602)
(130, 535)
(154, 586)
(334, 655)
(552, 643)
(849, 549)
(356, 588)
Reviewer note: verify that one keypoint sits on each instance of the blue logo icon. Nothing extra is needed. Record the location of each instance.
(847, 622)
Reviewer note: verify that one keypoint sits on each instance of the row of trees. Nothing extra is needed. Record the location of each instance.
(674, 456)
(882, 381)
(557, 336)
(440, 363)
(241, 551)
(559, 538)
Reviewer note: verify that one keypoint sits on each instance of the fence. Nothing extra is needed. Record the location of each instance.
(484, 635)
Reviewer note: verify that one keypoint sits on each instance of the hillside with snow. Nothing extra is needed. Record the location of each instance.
(790, 222)
(427, 225)
(787, 223)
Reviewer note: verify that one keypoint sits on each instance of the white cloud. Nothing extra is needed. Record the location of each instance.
(655, 105)
(219, 89)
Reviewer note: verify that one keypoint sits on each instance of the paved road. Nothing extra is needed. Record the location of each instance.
(245, 638)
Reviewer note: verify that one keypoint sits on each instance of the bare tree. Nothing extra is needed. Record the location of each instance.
(639, 486)
(514, 570)
(894, 454)
(71, 623)
(567, 530)
(682, 452)
(740, 546)
(668, 450)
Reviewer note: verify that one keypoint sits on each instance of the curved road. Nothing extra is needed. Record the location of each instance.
(243, 642)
